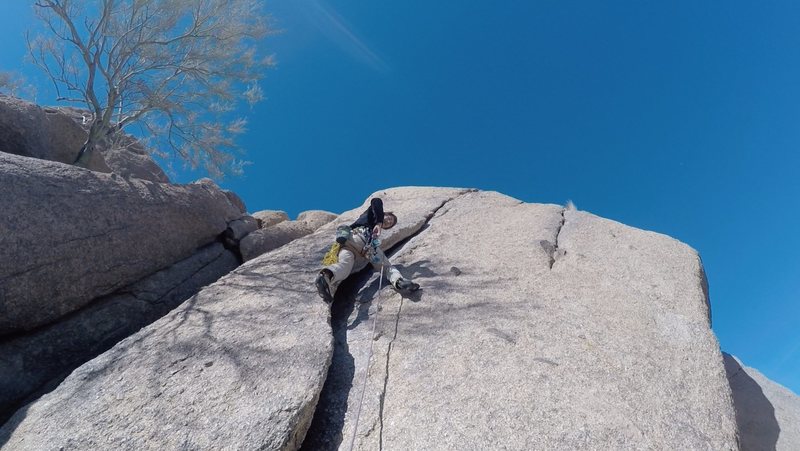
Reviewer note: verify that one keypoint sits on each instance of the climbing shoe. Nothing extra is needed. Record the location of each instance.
(323, 287)
(406, 285)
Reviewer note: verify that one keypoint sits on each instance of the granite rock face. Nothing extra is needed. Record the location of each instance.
(238, 366)
(536, 328)
(71, 235)
(33, 360)
(768, 414)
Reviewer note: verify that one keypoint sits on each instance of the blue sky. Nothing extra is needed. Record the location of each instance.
(680, 117)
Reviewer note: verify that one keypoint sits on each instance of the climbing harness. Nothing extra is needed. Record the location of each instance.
(369, 359)
(345, 233)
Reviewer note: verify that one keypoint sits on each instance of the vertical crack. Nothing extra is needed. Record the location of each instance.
(386, 372)
(553, 249)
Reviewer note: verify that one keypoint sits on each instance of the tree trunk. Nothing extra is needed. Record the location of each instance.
(88, 148)
(83, 156)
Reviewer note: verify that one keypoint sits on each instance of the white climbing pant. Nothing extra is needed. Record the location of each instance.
(350, 262)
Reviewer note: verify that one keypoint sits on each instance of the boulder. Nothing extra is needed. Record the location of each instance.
(275, 236)
(241, 227)
(33, 360)
(72, 235)
(236, 200)
(57, 134)
(267, 218)
(238, 366)
(131, 160)
(265, 240)
(535, 328)
(768, 414)
(316, 218)
(45, 133)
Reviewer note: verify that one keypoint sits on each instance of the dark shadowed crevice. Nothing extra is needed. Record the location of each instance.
(326, 430)
(558, 252)
(231, 245)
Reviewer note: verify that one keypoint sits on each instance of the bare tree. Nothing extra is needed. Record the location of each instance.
(178, 68)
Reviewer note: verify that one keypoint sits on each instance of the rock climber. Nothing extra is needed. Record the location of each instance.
(356, 245)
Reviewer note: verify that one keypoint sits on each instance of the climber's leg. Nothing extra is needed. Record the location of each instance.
(331, 276)
(393, 274)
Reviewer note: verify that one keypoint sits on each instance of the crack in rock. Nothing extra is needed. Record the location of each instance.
(386, 372)
(553, 250)
(97, 235)
(36, 268)
(160, 298)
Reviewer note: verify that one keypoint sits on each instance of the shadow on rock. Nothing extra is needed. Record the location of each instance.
(325, 432)
(755, 415)
(9, 427)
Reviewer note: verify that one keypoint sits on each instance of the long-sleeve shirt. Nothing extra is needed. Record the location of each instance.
(372, 216)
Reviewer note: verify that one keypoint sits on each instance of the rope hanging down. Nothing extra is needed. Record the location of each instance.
(369, 359)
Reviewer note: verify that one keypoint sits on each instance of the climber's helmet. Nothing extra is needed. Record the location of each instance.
(389, 220)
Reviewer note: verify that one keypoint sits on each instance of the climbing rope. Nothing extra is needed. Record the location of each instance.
(332, 256)
(369, 358)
